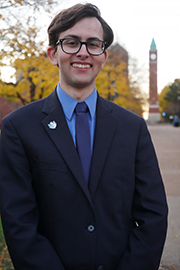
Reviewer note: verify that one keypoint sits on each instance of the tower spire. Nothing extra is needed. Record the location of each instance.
(153, 45)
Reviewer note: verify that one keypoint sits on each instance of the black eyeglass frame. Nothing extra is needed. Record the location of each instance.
(60, 41)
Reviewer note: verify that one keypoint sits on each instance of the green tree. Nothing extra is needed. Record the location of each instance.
(164, 104)
(173, 97)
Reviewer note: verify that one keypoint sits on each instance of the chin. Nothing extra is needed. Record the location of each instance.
(83, 84)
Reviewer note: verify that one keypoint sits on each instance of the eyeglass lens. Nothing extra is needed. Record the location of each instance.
(94, 47)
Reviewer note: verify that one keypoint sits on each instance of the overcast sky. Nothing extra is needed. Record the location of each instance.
(136, 22)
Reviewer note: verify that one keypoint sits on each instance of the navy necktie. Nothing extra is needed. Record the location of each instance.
(83, 142)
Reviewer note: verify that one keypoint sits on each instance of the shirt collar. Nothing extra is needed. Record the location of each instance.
(69, 104)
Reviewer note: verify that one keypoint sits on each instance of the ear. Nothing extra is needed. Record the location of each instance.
(52, 54)
(105, 58)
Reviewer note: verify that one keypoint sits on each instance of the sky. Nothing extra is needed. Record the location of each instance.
(135, 23)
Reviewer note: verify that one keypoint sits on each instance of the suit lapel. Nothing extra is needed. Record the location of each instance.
(105, 129)
(62, 139)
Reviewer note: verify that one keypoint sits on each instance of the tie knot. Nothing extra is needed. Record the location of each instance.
(81, 107)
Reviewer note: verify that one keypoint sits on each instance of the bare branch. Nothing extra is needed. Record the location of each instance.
(36, 4)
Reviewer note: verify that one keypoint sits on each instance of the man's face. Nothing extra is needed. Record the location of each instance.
(80, 70)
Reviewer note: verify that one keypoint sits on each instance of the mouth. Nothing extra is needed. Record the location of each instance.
(82, 66)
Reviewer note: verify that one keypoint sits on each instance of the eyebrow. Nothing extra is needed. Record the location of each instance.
(77, 37)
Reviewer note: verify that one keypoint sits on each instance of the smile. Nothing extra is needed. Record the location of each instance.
(81, 66)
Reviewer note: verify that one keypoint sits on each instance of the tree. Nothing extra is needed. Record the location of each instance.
(113, 76)
(173, 97)
(116, 84)
(23, 50)
(110, 80)
(15, 12)
(164, 104)
(36, 77)
(169, 100)
(136, 78)
(19, 24)
(35, 4)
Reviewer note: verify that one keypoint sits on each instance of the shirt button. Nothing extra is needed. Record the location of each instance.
(90, 228)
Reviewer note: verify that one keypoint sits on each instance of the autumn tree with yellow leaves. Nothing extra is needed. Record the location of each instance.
(35, 75)
(21, 49)
(115, 83)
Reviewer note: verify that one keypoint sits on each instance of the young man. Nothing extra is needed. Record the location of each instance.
(57, 213)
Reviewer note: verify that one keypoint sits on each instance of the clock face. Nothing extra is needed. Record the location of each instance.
(153, 56)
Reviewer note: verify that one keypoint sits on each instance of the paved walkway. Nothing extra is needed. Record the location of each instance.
(166, 140)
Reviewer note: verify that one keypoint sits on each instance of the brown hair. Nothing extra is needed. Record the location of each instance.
(69, 17)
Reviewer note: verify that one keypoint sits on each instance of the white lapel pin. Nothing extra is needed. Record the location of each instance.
(52, 125)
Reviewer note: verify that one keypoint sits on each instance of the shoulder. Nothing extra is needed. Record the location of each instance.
(119, 112)
(130, 126)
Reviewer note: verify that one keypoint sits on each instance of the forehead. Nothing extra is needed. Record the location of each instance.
(84, 29)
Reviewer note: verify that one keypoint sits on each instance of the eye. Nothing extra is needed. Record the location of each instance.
(71, 42)
(95, 44)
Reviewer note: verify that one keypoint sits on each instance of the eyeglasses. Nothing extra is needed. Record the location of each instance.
(73, 46)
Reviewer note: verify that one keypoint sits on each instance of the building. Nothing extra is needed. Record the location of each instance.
(116, 55)
(154, 115)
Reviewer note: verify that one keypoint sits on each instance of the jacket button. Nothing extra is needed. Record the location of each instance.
(90, 228)
(100, 267)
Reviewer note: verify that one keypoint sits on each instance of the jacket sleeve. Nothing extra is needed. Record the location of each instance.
(19, 211)
(149, 210)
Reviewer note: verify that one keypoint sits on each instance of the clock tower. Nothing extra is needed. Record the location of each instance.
(154, 115)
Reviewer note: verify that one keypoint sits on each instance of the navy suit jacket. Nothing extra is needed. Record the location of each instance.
(52, 220)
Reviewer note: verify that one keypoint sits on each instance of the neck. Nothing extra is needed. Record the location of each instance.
(79, 94)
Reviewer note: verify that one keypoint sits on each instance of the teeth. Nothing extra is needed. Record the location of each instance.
(81, 66)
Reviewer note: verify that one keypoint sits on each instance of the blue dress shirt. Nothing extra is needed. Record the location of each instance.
(69, 104)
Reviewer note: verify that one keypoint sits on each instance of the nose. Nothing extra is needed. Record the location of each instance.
(83, 51)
